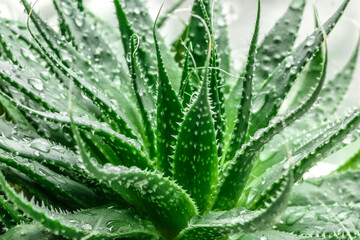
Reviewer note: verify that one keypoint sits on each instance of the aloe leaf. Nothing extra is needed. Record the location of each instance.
(29, 232)
(236, 174)
(217, 225)
(141, 24)
(352, 163)
(338, 86)
(12, 211)
(339, 188)
(196, 152)
(169, 115)
(17, 116)
(295, 134)
(113, 223)
(185, 91)
(26, 54)
(273, 49)
(273, 235)
(274, 90)
(242, 120)
(63, 187)
(165, 203)
(142, 97)
(171, 10)
(339, 222)
(51, 95)
(128, 150)
(278, 42)
(302, 160)
(89, 42)
(90, 87)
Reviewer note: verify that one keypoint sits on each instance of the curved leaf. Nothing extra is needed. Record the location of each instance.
(340, 188)
(339, 222)
(242, 120)
(196, 161)
(114, 222)
(274, 90)
(168, 116)
(29, 232)
(217, 225)
(165, 203)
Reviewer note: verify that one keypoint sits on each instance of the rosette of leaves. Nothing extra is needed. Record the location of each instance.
(111, 134)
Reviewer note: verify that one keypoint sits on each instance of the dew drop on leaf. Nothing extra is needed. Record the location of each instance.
(36, 83)
(310, 41)
(294, 218)
(40, 144)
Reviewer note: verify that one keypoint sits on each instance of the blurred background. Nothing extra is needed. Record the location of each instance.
(240, 16)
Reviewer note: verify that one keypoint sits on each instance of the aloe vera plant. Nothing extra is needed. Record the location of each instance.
(111, 134)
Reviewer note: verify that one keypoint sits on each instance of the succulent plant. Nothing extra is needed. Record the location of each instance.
(111, 134)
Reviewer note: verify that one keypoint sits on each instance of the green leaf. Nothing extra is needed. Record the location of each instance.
(112, 222)
(138, 22)
(237, 173)
(273, 49)
(196, 161)
(272, 235)
(216, 225)
(278, 42)
(89, 42)
(242, 120)
(17, 116)
(302, 160)
(168, 116)
(90, 87)
(352, 163)
(339, 222)
(164, 202)
(336, 189)
(185, 91)
(142, 94)
(12, 211)
(128, 150)
(274, 90)
(62, 187)
(29, 232)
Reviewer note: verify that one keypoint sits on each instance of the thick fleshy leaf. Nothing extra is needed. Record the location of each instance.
(352, 163)
(278, 42)
(196, 152)
(63, 187)
(237, 172)
(217, 225)
(168, 116)
(272, 93)
(143, 99)
(164, 202)
(133, 18)
(29, 232)
(87, 40)
(112, 222)
(128, 150)
(243, 110)
(331, 222)
(271, 52)
(271, 235)
(302, 160)
(88, 80)
(337, 189)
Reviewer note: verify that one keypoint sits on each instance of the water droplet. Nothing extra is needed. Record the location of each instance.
(293, 70)
(310, 41)
(264, 238)
(36, 83)
(41, 145)
(289, 61)
(79, 21)
(87, 227)
(294, 218)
